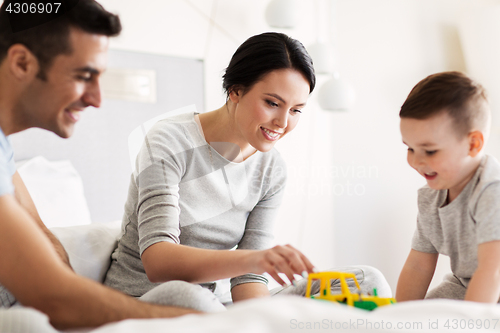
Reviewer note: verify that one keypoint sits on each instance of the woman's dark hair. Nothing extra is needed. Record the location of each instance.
(47, 35)
(262, 54)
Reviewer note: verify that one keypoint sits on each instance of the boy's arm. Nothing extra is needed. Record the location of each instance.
(484, 285)
(31, 269)
(24, 198)
(416, 276)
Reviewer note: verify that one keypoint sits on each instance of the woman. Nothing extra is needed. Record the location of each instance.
(207, 183)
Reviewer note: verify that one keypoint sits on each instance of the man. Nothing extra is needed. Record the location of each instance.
(49, 71)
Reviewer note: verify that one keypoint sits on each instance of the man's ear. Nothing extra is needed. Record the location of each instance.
(22, 63)
(476, 143)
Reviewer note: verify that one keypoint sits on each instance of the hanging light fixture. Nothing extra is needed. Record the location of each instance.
(336, 94)
(282, 13)
(323, 57)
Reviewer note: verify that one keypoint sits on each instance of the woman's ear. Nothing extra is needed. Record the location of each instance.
(476, 143)
(235, 95)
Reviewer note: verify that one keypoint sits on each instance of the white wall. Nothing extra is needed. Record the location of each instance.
(384, 48)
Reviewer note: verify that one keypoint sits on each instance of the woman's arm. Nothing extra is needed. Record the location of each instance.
(484, 285)
(245, 291)
(416, 276)
(165, 261)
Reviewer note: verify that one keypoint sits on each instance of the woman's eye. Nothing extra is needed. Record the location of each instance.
(410, 150)
(297, 111)
(271, 103)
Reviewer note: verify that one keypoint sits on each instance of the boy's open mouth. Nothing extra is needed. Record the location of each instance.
(430, 176)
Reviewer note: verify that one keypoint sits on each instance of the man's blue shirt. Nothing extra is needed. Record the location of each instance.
(7, 166)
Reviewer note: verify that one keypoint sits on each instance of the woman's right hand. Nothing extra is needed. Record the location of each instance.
(280, 259)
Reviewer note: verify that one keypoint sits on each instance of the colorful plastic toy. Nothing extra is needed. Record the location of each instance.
(358, 300)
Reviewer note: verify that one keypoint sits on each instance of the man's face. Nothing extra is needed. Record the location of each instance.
(72, 85)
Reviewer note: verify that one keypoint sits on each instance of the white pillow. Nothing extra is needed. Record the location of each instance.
(89, 247)
(20, 319)
(57, 190)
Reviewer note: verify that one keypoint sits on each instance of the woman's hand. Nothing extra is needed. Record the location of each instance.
(280, 259)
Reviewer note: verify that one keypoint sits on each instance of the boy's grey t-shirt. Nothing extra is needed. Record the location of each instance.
(458, 228)
(185, 192)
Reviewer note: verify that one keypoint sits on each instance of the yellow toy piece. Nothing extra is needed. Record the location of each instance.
(358, 300)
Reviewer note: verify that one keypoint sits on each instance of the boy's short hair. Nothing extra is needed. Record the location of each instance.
(50, 39)
(462, 98)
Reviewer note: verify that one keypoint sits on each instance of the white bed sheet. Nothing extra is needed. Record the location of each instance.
(90, 246)
(294, 314)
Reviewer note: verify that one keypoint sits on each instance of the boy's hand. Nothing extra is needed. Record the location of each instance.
(485, 283)
(416, 276)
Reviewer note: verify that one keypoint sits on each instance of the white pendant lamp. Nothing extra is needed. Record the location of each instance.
(282, 13)
(323, 57)
(336, 94)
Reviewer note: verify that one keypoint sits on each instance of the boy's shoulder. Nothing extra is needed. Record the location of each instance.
(490, 170)
(488, 180)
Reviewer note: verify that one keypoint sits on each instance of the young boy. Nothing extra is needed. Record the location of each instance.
(445, 123)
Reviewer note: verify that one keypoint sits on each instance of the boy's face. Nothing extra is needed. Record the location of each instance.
(437, 152)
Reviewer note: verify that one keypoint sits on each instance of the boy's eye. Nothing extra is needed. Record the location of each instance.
(297, 111)
(430, 152)
(410, 150)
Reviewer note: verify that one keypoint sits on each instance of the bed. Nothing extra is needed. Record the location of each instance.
(90, 246)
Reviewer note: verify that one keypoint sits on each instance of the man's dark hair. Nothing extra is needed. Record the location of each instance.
(50, 39)
(262, 54)
(453, 92)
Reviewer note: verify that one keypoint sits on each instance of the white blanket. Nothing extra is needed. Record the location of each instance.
(293, 314)
(90, 246)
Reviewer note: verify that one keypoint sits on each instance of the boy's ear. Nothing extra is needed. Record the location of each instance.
(476, 143)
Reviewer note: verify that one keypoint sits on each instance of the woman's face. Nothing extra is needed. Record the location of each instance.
(270, 109)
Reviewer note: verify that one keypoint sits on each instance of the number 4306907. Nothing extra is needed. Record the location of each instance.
(32, 8)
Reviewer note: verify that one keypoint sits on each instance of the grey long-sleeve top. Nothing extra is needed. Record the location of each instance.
(184, 192)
